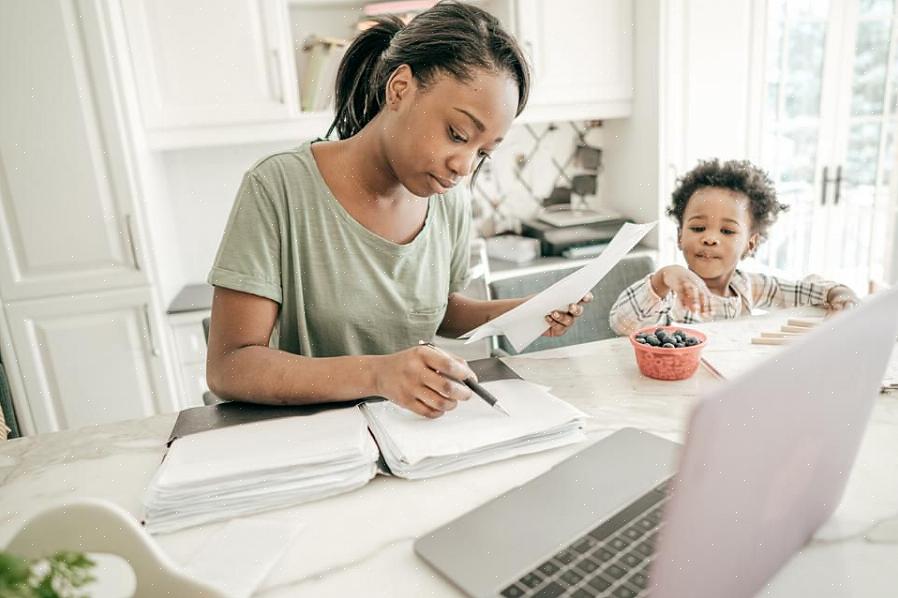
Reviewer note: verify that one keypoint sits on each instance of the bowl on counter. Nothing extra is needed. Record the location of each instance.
(668, 352)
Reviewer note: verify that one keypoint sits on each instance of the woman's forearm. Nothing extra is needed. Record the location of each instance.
(260, 374)
(464, 313)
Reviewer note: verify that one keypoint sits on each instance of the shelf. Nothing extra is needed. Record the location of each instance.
(314, 124)
(306, 126)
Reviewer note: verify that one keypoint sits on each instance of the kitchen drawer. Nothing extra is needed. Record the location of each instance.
(190, 342)
(193, 385)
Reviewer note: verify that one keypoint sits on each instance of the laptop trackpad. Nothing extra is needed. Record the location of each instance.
(486, 549)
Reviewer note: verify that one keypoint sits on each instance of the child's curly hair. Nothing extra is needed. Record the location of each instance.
(737, 175)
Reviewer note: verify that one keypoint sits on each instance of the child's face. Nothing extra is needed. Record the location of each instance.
(717, 232)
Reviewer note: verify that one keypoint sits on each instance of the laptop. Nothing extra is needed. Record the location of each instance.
(766, 459)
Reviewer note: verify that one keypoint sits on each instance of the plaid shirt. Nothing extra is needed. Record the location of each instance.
(639, 306)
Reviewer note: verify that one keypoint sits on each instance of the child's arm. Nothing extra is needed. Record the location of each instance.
(636, 307)
(841, 297)
(773, 292)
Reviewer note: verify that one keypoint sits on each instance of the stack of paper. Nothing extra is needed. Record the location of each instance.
(253, 467)
(474, 433)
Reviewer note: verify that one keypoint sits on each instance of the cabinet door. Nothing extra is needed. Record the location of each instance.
(190, 349)
(193, 385)
(66, 205)
(211, 62)
(582, 55)
(89, 359)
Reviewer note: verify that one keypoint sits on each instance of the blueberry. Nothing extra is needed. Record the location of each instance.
(641, 339)
(659, 332)
(669, 346)
(680, 345)
(653, 340)
(691, 341)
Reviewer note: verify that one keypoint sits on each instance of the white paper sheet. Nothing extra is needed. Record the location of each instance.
(473, 425)
(240, 470)
(525, 323)
(272, 445)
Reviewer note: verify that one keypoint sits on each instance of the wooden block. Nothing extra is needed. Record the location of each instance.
(804, 322)
(776, 334)
(788, 328)
(769, 340)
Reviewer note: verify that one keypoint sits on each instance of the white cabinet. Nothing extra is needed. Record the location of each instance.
(190, 355)
(89, 359)
(66, 221)
(211, 62)
(224, 72)
(79, 333)
(581, 52)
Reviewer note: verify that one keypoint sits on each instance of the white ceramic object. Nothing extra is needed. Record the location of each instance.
(98, 526)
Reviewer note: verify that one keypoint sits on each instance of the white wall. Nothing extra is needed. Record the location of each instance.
(634, 156)
(693, 76)
(716, 37)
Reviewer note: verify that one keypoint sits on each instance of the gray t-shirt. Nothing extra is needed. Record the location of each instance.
(342, 289)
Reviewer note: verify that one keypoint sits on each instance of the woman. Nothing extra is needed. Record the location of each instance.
(340, 255)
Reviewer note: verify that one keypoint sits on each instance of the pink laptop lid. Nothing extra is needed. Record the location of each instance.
(767, 457)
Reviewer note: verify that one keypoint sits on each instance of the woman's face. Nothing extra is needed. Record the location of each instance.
(437, 135)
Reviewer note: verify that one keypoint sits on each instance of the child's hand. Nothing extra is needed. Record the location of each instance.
(840, 298)
(560, 322)
(691, 290)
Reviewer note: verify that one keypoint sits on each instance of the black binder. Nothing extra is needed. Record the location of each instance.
(222, 415)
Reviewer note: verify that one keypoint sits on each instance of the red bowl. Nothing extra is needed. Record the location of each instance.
(666, 363)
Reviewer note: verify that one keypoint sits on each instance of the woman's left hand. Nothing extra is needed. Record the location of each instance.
(561, 321)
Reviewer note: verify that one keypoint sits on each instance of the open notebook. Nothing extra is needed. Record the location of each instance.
(235, 459)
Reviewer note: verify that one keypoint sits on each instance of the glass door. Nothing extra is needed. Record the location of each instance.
(794, 130)
(860, 214)
(828, 131)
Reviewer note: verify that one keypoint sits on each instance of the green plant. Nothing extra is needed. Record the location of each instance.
(56, 576)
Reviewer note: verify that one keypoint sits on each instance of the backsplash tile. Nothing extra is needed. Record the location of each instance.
(532, 160)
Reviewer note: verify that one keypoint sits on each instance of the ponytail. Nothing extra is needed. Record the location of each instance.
(359, 94)
(450, 38)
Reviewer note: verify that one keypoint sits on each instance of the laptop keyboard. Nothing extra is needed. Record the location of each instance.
(611, 560)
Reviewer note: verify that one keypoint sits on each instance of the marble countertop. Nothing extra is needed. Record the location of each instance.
(361, 542)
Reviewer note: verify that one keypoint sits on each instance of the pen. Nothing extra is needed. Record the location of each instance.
(475, 386)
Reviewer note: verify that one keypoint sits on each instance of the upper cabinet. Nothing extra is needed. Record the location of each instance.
(212, 72)
(211, 62)
(67, 211)
(582, 57)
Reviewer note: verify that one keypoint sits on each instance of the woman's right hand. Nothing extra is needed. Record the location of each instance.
(423, 379)
(691, 290)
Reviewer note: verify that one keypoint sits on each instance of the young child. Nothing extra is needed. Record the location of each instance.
(723, 211)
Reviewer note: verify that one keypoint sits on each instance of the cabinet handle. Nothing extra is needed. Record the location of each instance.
(154, 349)
(838, 182)
(823, 186)
(131, 244)
(275, 66)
